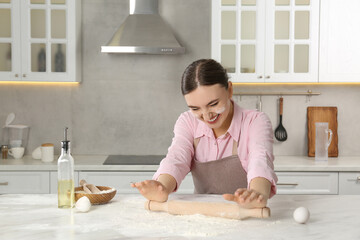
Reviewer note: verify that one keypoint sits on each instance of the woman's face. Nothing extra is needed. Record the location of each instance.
(211, 104)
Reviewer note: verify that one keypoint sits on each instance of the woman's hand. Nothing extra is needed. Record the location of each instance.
(152, 190)
(247, 198)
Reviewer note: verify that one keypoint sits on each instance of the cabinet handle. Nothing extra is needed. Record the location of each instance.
(24, 75)
(4, 183)
(16, 75)
(267, 77)
(354, 180)
(260, 77)
(287, 184)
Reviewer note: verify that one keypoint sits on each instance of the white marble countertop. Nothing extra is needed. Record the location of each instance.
(30, 217)
(95, 163)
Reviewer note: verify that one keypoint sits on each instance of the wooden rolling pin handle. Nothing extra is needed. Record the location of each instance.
(88, 188)
(225, 210)
(281, 100)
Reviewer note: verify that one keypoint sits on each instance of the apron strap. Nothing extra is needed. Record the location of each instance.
(234, 151)
(196, 142)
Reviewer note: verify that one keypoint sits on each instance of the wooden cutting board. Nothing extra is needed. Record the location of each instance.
(322, 114)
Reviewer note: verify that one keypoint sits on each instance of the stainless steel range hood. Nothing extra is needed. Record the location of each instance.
(144, 32)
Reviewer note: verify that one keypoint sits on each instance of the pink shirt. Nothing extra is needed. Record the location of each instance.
(251, 129)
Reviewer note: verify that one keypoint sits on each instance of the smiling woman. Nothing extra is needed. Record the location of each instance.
(227, 149)
(208, 92)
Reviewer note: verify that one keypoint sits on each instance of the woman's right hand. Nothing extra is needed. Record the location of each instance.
(152, 190)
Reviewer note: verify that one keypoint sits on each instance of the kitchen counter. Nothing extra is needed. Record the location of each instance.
(95, 163)
(30, 217)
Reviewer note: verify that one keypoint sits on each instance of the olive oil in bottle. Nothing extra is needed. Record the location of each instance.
(65, 193)
(66, 197)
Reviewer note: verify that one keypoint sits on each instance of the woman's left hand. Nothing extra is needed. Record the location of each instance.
(247, 198)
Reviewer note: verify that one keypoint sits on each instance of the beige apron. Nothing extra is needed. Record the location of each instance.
(220, 176)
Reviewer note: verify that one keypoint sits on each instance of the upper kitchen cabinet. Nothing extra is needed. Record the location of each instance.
(266, 40)
(339, 41)
(40, 40)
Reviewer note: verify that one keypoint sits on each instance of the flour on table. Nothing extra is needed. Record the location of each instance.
(165, 224)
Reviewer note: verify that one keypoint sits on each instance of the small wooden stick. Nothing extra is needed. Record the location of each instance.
(89, 188)
(214, 209)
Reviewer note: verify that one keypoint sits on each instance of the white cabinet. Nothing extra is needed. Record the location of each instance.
(266, 40)
(54, 181)
(307, 183)
(187, 185)
(339, 41)
(349, 183)
(288, 182)
(24, 182)
(40, 40)
(121, 180)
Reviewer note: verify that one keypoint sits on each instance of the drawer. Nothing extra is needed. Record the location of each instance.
(24, 182)
(307, 183)
(187, 185)
(119, 180)
(53, 181)
(349, 183)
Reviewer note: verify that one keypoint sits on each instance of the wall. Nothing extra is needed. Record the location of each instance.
(128, 104)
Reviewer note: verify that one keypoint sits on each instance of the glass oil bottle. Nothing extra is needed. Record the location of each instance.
(66, 197)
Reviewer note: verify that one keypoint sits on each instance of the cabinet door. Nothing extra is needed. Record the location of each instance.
(339, 41)
(266, 40)
(54, 181)
(48, 35)
(187, 185)
(238, 36)
(10, 69)
(349, 183)
(292, 28)
(24, 182)
(121, 180)
(307, 183)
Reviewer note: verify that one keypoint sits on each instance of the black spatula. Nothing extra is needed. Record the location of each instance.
(280, 132)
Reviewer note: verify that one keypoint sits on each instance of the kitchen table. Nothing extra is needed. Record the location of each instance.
(36, 216)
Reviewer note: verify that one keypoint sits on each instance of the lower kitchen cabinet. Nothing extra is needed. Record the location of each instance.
(349, 183)
(54, 180)
(24, 182)
(307, 183)
(19, 182)
(187, 185)
(121, 180)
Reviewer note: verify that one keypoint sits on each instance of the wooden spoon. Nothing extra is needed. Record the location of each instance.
(89, 188)
(280, 132)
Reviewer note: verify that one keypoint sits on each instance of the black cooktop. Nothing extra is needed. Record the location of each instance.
(133, 159)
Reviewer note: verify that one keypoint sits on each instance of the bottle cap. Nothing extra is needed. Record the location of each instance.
(65, 144)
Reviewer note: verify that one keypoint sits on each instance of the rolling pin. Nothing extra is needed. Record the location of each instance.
(89, 188)
(213, 209)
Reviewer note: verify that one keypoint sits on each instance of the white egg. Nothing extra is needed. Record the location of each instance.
(301, 215)
(83, 204)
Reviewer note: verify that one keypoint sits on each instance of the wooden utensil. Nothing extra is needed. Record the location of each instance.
(280, 132)
(106, 194)
(322, 114)
(88, 188)
(213, 209)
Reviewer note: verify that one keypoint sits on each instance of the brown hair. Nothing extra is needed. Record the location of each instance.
(203, 72)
